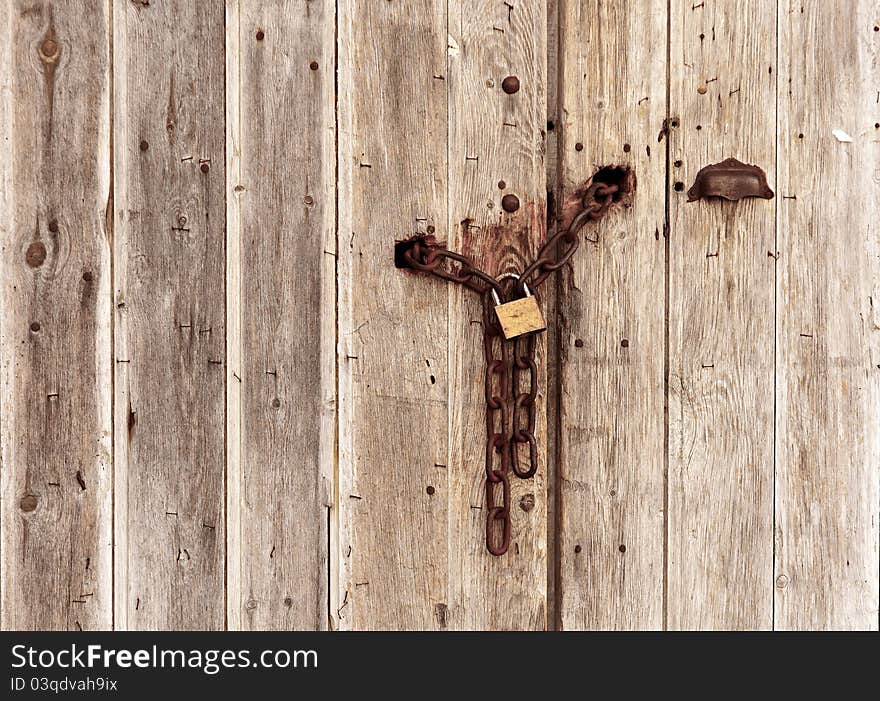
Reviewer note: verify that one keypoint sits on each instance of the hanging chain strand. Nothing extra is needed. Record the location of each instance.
(525, 409)
(511, 409)
(498, 431)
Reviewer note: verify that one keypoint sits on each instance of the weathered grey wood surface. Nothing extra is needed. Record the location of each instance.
(281, 255)
(721, 336)
(198, 208)
(170, 314)
(828, 317)
(393, 533)
(55, 332)
(611, 479)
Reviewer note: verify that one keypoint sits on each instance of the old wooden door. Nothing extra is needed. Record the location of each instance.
(222, 405)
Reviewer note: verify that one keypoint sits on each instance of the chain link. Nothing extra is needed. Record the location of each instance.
(560, 247)
(498, 430)
(525, 409)
(511, 409)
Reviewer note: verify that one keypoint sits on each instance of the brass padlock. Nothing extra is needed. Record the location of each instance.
(519, 317)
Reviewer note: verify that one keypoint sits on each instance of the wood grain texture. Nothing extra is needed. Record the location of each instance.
(496, 148)
(828, 317)
(55, 403)
(613, 102)
(550, 300)
(170, 314)
(392, 541)
(285, 185)
(721, 336)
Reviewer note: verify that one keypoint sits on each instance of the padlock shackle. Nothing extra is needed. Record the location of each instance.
(525, 287)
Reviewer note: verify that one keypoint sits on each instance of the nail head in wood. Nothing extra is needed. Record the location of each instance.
(510, 84)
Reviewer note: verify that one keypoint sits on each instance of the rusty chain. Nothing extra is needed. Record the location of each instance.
(498, 431)
(511, 409)
(524, 403)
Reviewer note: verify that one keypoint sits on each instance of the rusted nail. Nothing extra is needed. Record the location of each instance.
(205, 167)
(510, 84)
(53, 226)
(308, 200)
(87, 276)
(260, 35)
(730, 179)
(430, 490)
(578, 146)
(313, 65)
(527, 502)
(577, 549)
(144, 145)
(578, 343)
(501, 184)
(35, 326)
(510, 203)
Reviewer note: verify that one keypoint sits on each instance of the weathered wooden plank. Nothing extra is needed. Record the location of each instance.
(283, 91)
(613, 102)
(55, 343)
(550, 301)
(234, 511)
(828, 323)
(393, 494)
(496, 148)
(169, 267)
(721, 335)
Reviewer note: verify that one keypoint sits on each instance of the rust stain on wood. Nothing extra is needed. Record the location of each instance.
(508, 242)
